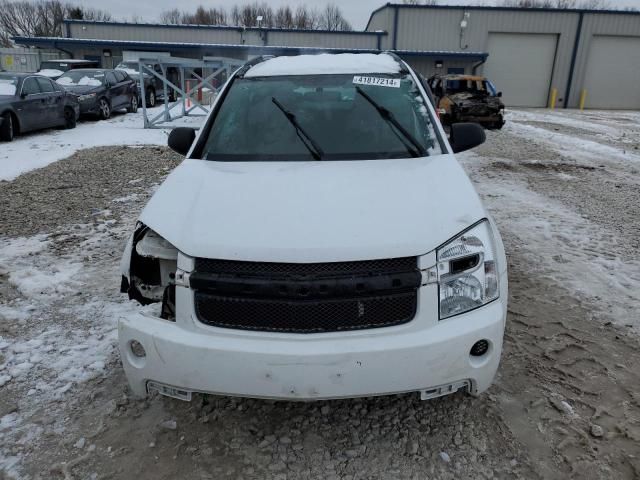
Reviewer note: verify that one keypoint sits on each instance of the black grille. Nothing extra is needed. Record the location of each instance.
(305, 316)
(305, 297)
(389, 265)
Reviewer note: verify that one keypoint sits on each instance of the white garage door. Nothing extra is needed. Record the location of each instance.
(520, 66)
(612, 78)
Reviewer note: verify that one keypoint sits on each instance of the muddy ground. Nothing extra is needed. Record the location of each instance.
(564, 190)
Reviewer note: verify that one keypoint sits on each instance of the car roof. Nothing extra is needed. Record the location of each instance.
(70, 60)
(89, 70)
(461, 77)
(326, 64)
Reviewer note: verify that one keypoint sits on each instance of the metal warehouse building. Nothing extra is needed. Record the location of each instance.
(529, 54)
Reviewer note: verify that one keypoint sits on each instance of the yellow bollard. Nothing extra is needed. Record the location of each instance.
(554, 96)
(583, 99)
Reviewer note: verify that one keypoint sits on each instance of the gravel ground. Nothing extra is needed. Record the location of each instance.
(566, 402)
(74, 190)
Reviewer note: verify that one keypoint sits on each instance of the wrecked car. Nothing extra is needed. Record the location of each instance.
(319, 241)
(467, 98)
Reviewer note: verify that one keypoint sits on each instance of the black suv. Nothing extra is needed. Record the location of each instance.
(55, 68)
(153, 87)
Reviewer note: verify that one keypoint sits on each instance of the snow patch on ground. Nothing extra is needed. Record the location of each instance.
(575, 251)
(66, 317)
(579, 149)
(39, 149)
(559, 242)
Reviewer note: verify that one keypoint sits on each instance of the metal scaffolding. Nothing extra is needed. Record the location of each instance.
(195, 77)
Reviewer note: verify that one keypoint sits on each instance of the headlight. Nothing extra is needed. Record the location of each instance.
(84, 98)
(467, 271)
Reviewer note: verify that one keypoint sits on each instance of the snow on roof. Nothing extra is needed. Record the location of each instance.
(50, 72)
(325, 63)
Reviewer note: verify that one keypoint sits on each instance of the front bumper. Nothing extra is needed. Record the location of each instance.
(493, 120)
(416, 356)
(89, 106)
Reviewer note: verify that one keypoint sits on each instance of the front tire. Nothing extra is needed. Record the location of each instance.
(133, 106)
(104, 109)
(7, 129)
(70, 120)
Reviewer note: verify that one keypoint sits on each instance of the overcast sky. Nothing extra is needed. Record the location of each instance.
(356, 11)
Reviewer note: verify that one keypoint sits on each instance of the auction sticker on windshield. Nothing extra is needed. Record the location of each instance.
(377, 81)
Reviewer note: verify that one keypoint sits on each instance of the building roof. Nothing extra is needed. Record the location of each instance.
(61, 43)
(325, 64)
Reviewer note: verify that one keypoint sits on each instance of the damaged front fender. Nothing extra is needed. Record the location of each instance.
(148, 270)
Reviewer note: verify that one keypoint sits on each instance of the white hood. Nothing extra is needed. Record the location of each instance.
(313, 211)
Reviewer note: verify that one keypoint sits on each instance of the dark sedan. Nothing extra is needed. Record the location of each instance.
(31, 102)
(153, 86)
(101, 91)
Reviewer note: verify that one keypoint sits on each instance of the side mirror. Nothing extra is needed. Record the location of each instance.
(181, 139)
(465, 136)
(499, 94)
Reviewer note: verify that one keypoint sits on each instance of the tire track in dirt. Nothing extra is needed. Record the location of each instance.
(568, 384)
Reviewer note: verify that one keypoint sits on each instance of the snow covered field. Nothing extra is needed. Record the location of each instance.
(564, 189)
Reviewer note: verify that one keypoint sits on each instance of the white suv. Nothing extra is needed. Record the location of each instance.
(319, 241)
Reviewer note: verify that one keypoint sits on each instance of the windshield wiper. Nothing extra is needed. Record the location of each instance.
(417, 150)
(315, 151)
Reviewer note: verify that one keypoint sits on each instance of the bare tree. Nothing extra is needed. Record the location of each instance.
(586, 4)
(206, 16)
(331, 18)
(171, 17)
(566, 4)
(306, 19)
(40, 18)
(420, 2)
(283, 18)
(595, 4)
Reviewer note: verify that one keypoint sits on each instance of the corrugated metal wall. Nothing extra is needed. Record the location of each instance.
(26, 59)
(592, 25)
(439, 29)
(382, 20)
(426, 66)
(322, 40)
(232, 36)
(150, 33)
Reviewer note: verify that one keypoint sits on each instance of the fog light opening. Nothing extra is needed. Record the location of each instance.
(137, 349)
(479, 348)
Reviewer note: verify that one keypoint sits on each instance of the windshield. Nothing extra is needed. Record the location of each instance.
(132, 67)
(8, 85)
(82, 78)
(471, 86)
(322, 117)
